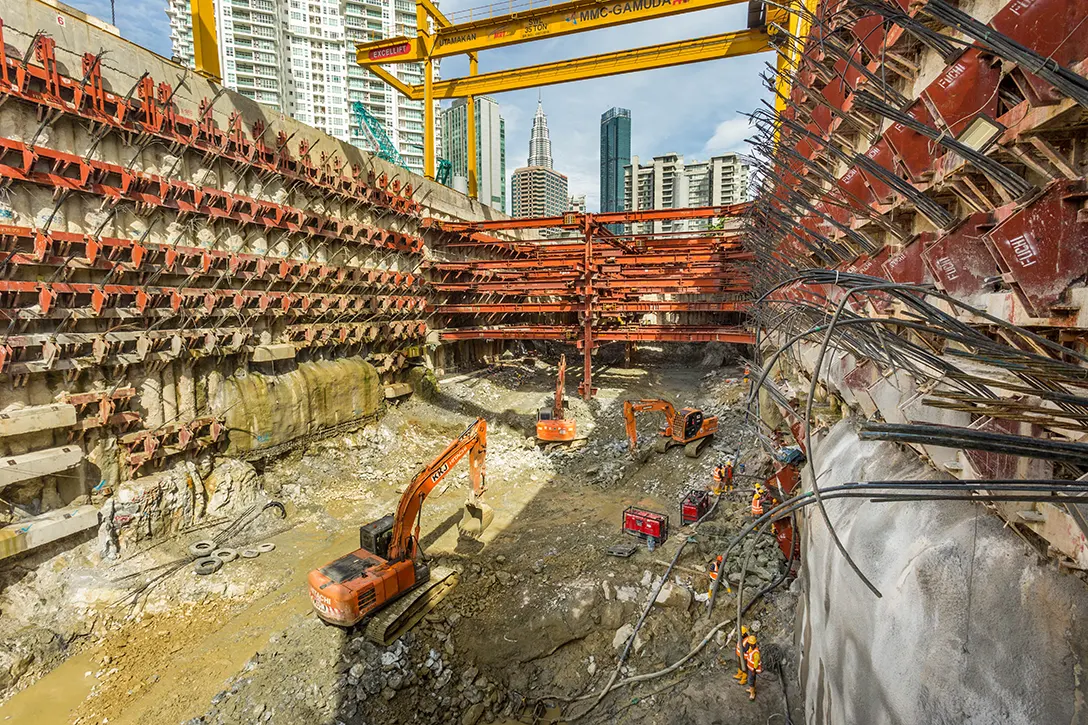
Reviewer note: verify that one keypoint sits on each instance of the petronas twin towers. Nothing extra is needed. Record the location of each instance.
(540, 143)
(537, 189)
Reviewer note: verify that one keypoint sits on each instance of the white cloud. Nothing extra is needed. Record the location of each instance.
(728, 136)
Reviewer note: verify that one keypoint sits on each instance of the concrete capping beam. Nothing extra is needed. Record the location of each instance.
(35, 464)
(36, 418)
(46, 528)
(268, 353)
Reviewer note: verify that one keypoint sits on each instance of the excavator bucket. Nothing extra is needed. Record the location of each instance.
(475, 519)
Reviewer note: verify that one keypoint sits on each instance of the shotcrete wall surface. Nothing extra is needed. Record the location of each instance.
(970, 628)
(263, 411)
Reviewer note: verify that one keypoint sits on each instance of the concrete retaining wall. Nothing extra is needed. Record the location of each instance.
(970, 629)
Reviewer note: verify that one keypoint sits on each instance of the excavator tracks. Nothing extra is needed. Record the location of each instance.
(390, 623)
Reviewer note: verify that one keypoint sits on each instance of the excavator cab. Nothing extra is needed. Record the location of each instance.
(692, 422)
(376, 535)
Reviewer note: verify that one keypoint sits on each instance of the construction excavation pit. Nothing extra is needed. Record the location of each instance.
(536, 623)
(298, 426)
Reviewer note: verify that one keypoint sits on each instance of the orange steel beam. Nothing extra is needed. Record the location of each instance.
(630, 333)
(604, 307)
(575, 221)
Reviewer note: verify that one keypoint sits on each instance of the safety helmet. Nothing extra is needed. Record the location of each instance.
(744, 630)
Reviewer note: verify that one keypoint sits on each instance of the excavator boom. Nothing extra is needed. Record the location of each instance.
(472, 441)
(560, 386)
(554, 426)
(630, 407)
(387, 565)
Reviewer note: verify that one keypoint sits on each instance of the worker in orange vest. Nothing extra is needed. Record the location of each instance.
(715, 568)
(741, 677)
(752, 664)
(722, 475)
(757, 500)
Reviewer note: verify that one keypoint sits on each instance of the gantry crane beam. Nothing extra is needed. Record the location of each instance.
(697, 50)
(549, 21)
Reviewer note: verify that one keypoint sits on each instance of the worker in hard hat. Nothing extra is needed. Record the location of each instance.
(722, 476)
(752, 664)
(715, 569)
(742, 676)
(758, 496)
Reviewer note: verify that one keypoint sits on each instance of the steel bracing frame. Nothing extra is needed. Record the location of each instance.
(602, 284)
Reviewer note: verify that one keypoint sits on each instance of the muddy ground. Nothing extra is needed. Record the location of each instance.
(536, 622)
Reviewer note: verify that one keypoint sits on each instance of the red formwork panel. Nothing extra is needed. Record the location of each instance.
(906, 266)
(881, 153)
(870, 32)
(960, 260)
(914, 151)
(967, 88)
(873, 266)
(822, 118)
(853, 184)
(1054, 29)
(1044, 246)
(835, 93)
(810, 149)
(837, 212)
(852, 71)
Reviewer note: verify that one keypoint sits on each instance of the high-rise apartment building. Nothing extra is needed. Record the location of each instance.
(298, 56)
(490, 149)
(668, 182)
(577, 204)
(615, 155)
(537, 191)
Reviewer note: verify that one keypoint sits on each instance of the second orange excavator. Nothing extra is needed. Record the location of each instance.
(687, 427)
(553, 426)
(388, 572)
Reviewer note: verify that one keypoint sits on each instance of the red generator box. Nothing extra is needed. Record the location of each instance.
(694, 506)
(644, 524)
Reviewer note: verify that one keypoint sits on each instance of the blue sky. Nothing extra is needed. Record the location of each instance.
(692, 110)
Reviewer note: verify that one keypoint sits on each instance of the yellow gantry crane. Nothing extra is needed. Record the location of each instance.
(505, 24)
(438, 37)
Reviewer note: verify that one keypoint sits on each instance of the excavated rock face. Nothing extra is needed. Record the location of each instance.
(165, 503)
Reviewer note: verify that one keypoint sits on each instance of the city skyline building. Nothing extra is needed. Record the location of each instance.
(537, 189)
(670, 182)
(540, 142)
(298, 56)
(490, 149)
(615, 155)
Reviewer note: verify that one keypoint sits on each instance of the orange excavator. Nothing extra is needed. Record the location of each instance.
(686, 427)
(388, 563)
(552, 426)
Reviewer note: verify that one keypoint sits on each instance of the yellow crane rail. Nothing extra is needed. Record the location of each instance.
(697, 50)
(577, 16)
